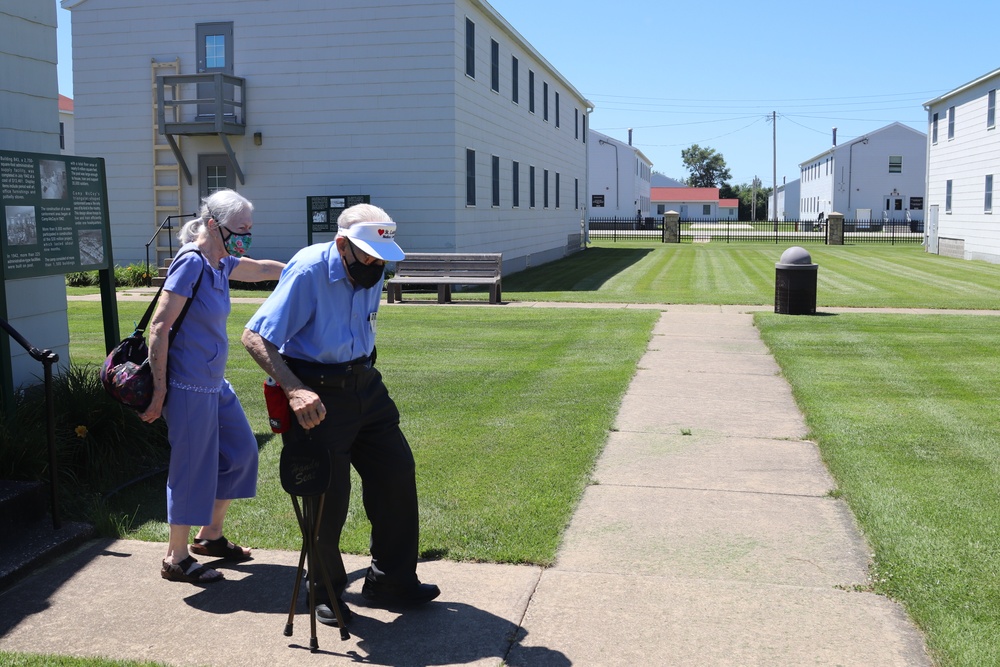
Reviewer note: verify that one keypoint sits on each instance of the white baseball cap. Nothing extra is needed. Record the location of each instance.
(375, 238)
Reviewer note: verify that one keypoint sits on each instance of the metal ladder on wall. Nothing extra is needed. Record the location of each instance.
(166, 172)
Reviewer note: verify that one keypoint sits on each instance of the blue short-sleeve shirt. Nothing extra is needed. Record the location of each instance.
(198, 353)
(315, 313)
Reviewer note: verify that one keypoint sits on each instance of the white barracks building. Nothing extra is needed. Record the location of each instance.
(439, 111)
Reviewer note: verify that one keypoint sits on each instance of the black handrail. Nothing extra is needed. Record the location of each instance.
(47, 357)
(170, 243)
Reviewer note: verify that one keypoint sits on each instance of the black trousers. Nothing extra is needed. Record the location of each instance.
(361, 429)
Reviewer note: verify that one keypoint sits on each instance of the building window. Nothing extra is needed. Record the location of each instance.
(470, 177)
(557, 189)
(557, 109)
(947, 196)
(545, 101)
(213, 173)
(706, 209)
(494, 66)
(934, 125)
(515, 192)
(496, 180)
(991, 109)
(951, 123)
(215, 51)
(513, 79)
(62, 136)
(531, 186)
(895, 164)
(531, 91)
(576, 193)
(545, 188)
(470, 49)
(576, 123)
(584, 129)
(988, 202)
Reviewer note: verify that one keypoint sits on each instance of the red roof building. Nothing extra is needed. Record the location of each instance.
(693, 203)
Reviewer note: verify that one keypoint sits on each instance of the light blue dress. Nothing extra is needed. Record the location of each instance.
(213, 451)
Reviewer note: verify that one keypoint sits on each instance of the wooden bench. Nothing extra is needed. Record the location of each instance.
(444, 270)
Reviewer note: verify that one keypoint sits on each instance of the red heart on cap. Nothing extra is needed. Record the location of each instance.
(381, 231)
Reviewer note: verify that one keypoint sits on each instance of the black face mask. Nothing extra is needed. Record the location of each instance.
(364, 275)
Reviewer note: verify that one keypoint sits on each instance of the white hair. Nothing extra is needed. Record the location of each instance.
(221, 206)
(361, 213)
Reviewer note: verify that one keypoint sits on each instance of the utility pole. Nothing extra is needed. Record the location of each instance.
(753, 198)
(774, 164)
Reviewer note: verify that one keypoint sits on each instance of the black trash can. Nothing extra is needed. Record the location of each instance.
(795, 283)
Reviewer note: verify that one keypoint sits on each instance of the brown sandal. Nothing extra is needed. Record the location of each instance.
(189, 571)
(220, 548)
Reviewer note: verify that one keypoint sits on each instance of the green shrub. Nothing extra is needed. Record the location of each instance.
(100, 444)
(133, 275)
(82, 278)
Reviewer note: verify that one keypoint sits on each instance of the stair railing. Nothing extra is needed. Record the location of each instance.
(166, 224)
(47, 357)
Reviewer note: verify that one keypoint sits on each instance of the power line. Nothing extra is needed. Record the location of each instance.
(768, 102)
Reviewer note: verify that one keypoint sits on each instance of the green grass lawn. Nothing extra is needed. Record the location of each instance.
(865, 276)
(506, 410)
(903, 408)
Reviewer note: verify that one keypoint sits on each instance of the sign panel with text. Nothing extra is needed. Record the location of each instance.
(54, 210)
(324, 211)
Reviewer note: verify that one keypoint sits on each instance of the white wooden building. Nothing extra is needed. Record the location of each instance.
(35, 307)
(789, 198)
(619, 178)
(963, 167)
(67, 126)
(879, 176)
(438, 110)
(695, 204)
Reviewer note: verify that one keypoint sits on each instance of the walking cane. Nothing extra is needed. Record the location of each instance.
(305, 473)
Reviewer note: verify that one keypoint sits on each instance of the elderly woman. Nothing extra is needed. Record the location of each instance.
(213, 451)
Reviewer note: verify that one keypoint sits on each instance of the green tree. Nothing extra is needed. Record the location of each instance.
(745, 193)
(706, 167)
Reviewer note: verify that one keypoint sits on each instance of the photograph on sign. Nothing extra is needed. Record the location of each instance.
(52, 175)
(21, 226)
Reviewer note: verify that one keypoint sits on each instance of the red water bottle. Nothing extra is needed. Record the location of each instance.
(278, 412)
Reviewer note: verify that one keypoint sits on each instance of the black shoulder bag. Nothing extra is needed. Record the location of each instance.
(126, 373)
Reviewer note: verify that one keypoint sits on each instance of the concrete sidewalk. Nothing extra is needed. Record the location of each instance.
(708, 538)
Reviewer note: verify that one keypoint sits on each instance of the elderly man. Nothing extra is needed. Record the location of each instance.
(315, 335)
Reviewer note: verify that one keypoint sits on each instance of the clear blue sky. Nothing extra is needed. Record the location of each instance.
(711, 73)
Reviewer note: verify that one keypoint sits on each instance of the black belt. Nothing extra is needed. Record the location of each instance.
(317, 374)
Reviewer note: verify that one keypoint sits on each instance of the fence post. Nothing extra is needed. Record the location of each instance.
(835, 229)
(671, 227)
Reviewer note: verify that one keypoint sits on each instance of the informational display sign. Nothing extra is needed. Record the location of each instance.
(324, 211)
(597, 201)
(916, 203)
(55, 218)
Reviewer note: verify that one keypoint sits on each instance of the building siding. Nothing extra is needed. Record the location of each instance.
(855, 175)
(29, 109)
(350, 98)
(966, 159)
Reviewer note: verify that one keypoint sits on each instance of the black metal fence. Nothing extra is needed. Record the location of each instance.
(744, 231)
